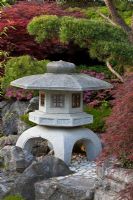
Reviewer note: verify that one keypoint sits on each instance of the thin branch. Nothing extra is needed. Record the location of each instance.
(113, 71)
(107, 18)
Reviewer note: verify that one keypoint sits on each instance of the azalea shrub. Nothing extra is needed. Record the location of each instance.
(119, 134)
(95, 98)
(17, 41)
(18, 94)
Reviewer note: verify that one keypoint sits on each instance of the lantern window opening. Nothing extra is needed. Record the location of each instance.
(76, 98)
(57, 100)
(42, 98)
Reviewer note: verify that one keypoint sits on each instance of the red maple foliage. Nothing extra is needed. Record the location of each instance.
(127, 193)
(17, 41)
(119, 135)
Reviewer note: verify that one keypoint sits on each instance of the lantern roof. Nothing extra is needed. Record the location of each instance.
(61, 76)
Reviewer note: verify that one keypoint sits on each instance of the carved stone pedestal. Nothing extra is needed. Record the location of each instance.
(62, 140)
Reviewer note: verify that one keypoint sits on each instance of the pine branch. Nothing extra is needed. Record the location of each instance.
(113, 71)
(107, 18)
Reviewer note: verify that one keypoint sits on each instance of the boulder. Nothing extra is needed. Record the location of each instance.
(22, 126)
(8, 140)
(10, 115)
(37, 171)
(15, 159)
(106, 195)
(10, 112)
(7, 180)
(113, 180)
(33, 104)
(68, 188)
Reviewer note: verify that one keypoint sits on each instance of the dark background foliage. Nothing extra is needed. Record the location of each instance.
(18, 42)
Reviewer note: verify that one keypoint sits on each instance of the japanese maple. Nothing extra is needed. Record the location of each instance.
(118, 138)
(17, 40)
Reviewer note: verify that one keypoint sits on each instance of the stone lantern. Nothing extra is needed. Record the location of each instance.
(60, 116)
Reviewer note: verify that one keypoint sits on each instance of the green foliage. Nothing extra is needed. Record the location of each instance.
(82, 31)
(123, 5)
(79, 3)
(93, 13)
(18, 67)
(6, 2)
(3, 2)
(127, 16)
(99, 114)
(125, 162)
(103, 40)
(44, 27)
(1, 135)
(13, 197)
(85, 32)
(25, 118)
(121, 52)
(61, 2)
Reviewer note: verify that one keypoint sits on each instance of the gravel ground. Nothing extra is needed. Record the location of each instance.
(82, 167)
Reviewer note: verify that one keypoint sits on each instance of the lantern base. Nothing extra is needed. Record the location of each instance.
(60, 120)
(62, 140)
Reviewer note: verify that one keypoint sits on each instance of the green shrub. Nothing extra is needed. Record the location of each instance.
(99, 114)
(13, 197)
(18, 67)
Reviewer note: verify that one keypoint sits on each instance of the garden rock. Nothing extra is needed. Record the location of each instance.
(15, 159)
(33, 105)
(22, 126)
(69, 188)
(113, 182)
(7, 180)
(8, 140)
(37, 171)
(10, 113)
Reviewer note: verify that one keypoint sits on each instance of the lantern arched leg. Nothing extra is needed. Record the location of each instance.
(62, 140)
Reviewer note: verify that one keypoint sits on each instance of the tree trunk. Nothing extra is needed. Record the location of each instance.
(119, 20)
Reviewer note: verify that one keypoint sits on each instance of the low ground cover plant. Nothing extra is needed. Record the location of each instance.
(100, 113)
(13, 197)
(25, 118)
